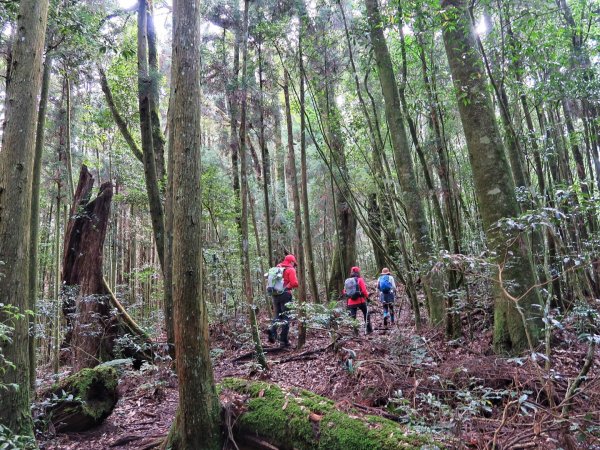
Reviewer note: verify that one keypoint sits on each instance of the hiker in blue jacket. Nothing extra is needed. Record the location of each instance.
(387, 294)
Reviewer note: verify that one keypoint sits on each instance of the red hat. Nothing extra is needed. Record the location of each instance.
(290, 259)
(355, 269)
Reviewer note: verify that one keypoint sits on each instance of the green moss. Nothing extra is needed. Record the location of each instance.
(95, 389)
(80, 382)
(282, 416)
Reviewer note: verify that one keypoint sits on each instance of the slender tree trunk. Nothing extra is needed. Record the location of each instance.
(119, 121)
(34, 259)
(266, 164)
(494, 186)
(298, 239)
(145, 87)
(16, 175)
(417, 223)
(309, 260)
(57, 298)
(197, 424)
(279, 161)
(158, 140)
(244, 195)
(68, 154)
(168, 269)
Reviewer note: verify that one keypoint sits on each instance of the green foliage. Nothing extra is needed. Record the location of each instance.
(9, 314)
(11, 441)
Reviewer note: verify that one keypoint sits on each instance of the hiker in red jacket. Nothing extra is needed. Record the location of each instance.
(356, 292)
(290, 281)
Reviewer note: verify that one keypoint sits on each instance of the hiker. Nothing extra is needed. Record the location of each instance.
(387, 294)
(356, 292)
(280, 282)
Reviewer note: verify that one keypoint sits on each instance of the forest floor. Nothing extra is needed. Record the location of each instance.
(457, 390)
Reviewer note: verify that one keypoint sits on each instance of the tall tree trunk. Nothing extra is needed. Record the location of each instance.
(344, 252)
(244, 195)
(16, 175)
(168, 269)
(494, 186)
(34, 259)
(68, 154)
(298, 240)
(309, 252)
(266, 163)
(158, 140)
(145, 87)
(417, 223)
(197, 424)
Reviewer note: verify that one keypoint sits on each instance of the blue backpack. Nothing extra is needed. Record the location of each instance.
(385, 285)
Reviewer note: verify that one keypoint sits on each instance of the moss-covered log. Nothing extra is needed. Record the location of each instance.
(299, 419)
(83, 400)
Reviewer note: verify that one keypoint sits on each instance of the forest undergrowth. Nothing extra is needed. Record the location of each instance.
(457, 391)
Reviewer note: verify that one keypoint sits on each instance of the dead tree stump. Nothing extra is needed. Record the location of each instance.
(93, 325)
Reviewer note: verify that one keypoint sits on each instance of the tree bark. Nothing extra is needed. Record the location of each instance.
(16, 176)
(196, 425)
(514, 280)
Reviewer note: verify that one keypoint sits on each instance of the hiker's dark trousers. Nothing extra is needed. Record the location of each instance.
(363, 307)
(281, 316)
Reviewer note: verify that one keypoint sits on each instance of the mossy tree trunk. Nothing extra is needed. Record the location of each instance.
(16, 176)
(85, 399)
(196, 425)
(417, 221)
(494, 186)
(298, 419)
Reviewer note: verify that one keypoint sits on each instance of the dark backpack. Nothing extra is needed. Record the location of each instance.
(385, 285)
(352, 289)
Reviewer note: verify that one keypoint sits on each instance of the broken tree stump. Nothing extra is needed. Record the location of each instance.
(83, 400)
(95, 319)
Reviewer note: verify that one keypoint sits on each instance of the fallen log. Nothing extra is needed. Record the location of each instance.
(82, 400)
(294, 418)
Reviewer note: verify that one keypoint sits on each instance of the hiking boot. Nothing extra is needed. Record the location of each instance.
(393, 321)
(271, 337)
(369, 328)
(385, 322)
(284, 344)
